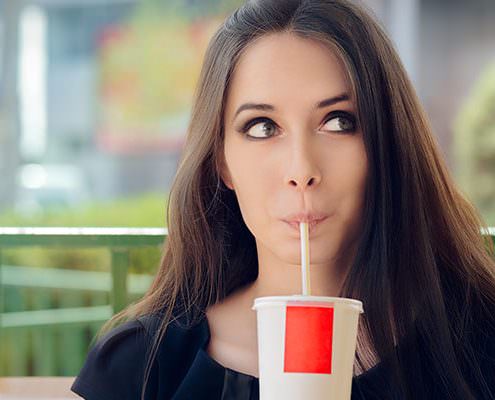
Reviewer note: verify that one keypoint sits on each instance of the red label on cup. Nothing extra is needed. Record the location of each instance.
(308, 339)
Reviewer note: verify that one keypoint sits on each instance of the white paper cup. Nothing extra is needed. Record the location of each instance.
(306, 346)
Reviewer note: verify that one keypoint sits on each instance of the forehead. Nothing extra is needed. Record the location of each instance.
(287, 69)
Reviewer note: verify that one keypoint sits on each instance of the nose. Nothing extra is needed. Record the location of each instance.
(303, 172)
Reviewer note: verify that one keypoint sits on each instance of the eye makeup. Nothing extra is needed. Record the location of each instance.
(350, 117)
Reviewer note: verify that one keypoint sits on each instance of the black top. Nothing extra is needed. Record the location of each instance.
(183, 370)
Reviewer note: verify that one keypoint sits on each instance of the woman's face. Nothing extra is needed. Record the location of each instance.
(289, 149)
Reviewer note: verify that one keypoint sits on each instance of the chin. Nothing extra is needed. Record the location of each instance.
(316, 256)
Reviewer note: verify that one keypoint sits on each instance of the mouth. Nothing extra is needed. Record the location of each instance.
(312, 225)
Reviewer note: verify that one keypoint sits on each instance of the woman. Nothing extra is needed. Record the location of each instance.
(304, 112)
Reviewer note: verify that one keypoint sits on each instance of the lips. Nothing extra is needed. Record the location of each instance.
(305, 217)
(313, 220)
(312, 225)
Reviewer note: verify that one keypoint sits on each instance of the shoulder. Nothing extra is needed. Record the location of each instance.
(115, 365)
(117, 357)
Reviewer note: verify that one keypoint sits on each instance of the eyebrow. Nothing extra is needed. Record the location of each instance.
(268, 107)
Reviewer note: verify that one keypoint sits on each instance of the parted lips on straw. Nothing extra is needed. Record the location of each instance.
(304, 236)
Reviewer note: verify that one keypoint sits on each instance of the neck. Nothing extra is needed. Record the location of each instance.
(279, 278)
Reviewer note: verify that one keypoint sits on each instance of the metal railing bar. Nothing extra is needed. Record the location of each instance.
(81, 237)
(57, 278)
(62, 316)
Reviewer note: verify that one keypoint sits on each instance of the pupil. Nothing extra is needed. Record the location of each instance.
(344, 125)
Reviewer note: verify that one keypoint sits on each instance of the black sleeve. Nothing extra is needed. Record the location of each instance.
(114, 367)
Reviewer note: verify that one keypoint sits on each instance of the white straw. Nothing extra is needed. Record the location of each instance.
(304, 236)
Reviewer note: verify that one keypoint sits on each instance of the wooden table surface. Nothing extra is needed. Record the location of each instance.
(28, 388)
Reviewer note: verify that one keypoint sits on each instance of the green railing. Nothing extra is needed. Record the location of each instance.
(70, 306)
(490, 232)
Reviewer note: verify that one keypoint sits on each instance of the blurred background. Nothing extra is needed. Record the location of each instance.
(95, 98)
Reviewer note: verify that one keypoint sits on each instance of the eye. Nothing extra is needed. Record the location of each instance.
(264, 128)
(259, 128)
(341, 122)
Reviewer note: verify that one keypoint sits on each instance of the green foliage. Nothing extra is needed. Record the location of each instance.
(148, 68)
(148, 210)
(474, 145)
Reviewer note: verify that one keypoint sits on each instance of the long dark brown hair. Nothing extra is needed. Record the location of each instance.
(422, 269)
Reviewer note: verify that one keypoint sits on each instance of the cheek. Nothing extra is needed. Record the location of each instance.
(250, 167)
(355, 188)
(254, 187)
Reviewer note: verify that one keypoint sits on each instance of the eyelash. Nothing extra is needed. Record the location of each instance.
(335, 114)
